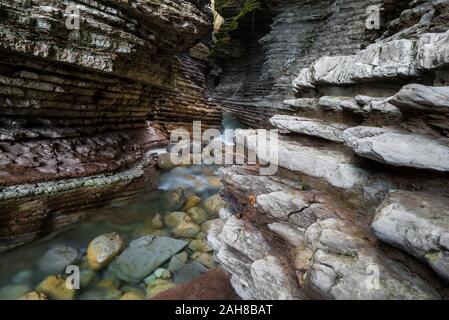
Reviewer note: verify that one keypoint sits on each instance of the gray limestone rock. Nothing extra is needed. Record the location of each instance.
(143, 256)
(399, 149)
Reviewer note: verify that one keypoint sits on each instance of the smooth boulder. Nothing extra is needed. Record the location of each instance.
(143, 256)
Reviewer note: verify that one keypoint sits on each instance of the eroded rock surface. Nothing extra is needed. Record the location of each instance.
(417, 223)
(80, 103)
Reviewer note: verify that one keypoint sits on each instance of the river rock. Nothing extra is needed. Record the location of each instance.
(58, 258)
(186, 229)
(157, 222)
(159, 286)
(143, 256)
(87, 277)
(213, 204)
(13, 292)
(173, 200)
(177, 261)
(188, 272)
(175, 218)
(164, 162)
(198, 214)
(201, 235)
(103, 249)
(199, 245)
(108, 284)
(22, 277)
(214, 182)
(33, 295)
(206, 260)
(55, 288)
(132, 296)
(162, 273)
(191, 202)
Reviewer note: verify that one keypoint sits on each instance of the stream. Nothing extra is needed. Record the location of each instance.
(29, 267)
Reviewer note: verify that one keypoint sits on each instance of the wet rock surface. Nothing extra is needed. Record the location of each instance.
(143, 256)
(361, 185)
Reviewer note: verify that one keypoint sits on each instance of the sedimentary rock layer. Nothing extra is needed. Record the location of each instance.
(79, 100)
(357, 207)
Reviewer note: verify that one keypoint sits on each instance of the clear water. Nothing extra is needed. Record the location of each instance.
(131, 218)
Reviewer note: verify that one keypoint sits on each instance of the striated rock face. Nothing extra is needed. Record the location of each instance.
(358, 207)
(81, 108)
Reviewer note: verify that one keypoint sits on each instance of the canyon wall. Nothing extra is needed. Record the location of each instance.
(359, 206)
(82, 106)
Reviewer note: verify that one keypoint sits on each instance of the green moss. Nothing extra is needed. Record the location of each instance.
(433, 256)
(232, 23)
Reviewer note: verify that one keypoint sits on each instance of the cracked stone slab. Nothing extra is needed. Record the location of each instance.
(417, 223)
(333, 166)
(310, 127)
(379, 61)
(398, 149)
(346, 265)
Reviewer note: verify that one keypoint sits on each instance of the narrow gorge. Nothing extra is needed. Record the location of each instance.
(92, 93)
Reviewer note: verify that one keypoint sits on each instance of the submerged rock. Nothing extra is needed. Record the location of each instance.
(55, 288)
(143, 256)
(186, 229)
(103, 249)
(191, 202)
(213, 205)
(206, 260)
(175, 218)
(132, 296)
(188, 272)
(13, 292)
(23, 277)
(33, 295)
(198, 214)
(159, 286)
(162, 273)
(173, 200)
(199, 245)
(58, 258)
(164, 162)
(177, 261)
(157, 222)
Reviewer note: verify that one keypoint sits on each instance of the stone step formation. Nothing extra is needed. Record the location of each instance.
(359, 206)
(362, 191)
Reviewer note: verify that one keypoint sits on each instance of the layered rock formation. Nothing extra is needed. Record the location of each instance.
(358, 208)
(84, 104)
